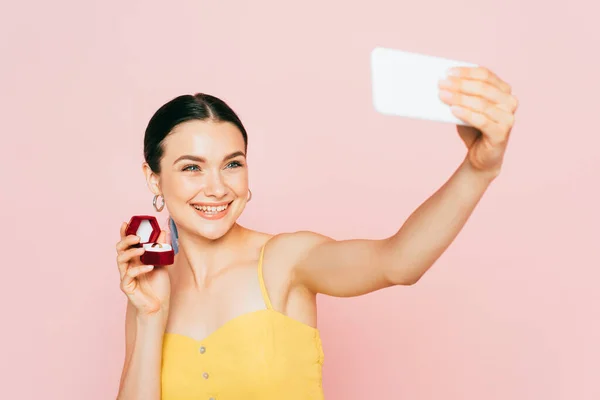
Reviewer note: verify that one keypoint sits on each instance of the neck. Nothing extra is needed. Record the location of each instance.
(202, 258)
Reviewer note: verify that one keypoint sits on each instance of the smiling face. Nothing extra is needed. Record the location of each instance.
(203, 178)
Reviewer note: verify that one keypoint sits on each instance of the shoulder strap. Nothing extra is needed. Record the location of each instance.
(261, 280)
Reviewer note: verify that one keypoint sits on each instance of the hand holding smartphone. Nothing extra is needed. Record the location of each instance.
(405, 84)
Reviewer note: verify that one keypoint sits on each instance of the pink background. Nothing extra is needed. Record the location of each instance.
(509, 312)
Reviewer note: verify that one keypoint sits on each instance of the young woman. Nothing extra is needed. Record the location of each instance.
(235, 316)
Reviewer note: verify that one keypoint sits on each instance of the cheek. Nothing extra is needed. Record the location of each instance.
(181, 186)
(238, 183)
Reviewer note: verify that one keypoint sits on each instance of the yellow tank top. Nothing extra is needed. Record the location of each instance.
(258, 355)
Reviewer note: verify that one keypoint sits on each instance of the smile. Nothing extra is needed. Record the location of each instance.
(211, 211)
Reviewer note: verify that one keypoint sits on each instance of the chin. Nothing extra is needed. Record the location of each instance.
(214, 229)
(214, 232)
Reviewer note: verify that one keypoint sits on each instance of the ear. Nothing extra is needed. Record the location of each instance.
(152, 179)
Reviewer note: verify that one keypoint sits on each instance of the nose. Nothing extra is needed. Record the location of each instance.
(215, 186)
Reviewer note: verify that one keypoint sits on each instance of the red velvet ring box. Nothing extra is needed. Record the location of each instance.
(147, 229)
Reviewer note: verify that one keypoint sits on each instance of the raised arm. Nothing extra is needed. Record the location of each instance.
(355, 267)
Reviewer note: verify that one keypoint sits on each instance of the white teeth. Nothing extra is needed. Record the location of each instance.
(210, 209)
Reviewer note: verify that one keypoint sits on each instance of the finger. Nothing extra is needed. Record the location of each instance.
(123, 229)
(477, 104)
(481, 89)
(127, 259)
(134, 272)
(129, 281)
(505, 119)
(495, 132)
(480, 74)
(128, 255)
(162, 238)
(127, 243)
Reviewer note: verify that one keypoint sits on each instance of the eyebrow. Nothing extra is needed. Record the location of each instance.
(203, 160)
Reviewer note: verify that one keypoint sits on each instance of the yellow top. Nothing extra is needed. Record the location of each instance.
(262, 355)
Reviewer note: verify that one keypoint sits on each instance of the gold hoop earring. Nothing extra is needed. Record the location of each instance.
(249, 195)
(162, 205)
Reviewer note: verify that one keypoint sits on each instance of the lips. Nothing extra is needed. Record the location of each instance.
(211, 211)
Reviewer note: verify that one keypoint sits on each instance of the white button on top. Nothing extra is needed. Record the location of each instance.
(205, 375)
(202, 350)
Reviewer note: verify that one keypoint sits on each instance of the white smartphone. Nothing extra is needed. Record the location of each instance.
(405, 84)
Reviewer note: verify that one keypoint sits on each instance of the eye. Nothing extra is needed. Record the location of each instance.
(191, 167)
(234, 164)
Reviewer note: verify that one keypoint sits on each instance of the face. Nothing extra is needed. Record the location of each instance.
(203, 178)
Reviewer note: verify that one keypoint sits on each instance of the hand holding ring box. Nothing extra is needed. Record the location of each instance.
(147, 229)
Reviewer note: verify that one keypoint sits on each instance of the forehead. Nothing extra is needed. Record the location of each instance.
(207, 139)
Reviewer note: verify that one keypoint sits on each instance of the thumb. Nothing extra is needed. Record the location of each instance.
(162, 238)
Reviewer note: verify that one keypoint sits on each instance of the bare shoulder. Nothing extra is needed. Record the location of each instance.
(293, 246)
(288, 249)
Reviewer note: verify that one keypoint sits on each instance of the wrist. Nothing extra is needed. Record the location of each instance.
(485, 177)
(156, 320)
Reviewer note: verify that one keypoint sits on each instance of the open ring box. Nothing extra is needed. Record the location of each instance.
(147, 229)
